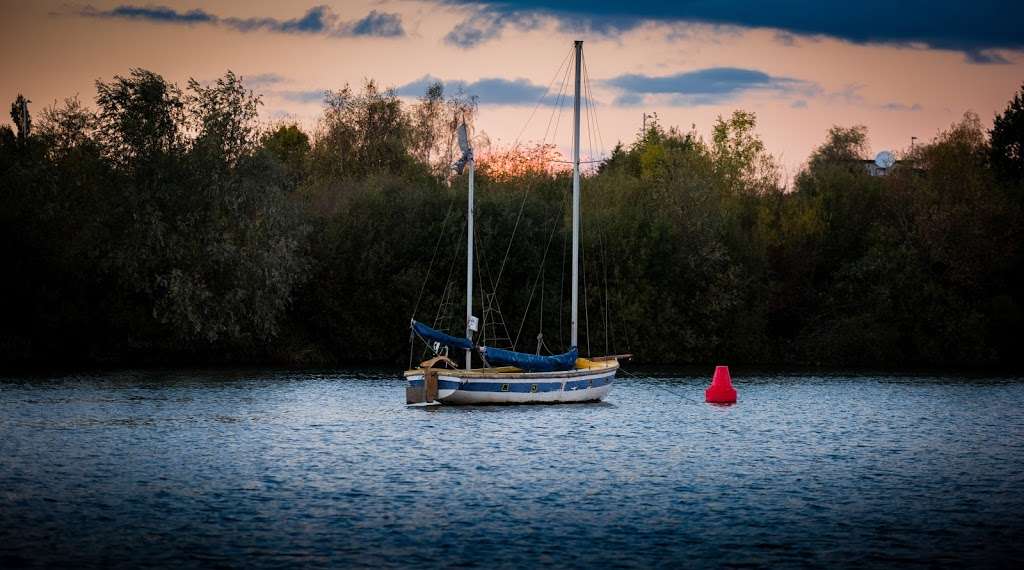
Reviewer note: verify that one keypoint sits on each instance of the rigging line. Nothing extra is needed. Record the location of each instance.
(590, 132)
(609, 323)
(519, 217)
(586, 298)
(451, 269)
(540, 328)
(593, 107)
(590, 128)
(482, 324)
(541, 99)
(558, 105)
(604, 268)
(558, 118)
(573, 162)
(526, 191)
(593, 127)
(446, 296)
(533, 289)
(590, 97)
(561, 285)
(490, 303)
(433, 257)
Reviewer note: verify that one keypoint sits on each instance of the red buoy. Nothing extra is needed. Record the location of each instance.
(721, 390)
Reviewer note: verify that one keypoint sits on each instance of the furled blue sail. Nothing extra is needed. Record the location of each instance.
(428, 334)
(530, 362)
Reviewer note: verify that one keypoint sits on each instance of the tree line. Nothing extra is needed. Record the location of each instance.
(168, 225)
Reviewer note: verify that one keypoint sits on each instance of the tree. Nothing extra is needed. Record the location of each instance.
(21, 117)
(224, 115)
(741, 160)
(67, 127)
(1007, 141)
(140, 119)
(361, 133)
(844, 144)
(291, 147)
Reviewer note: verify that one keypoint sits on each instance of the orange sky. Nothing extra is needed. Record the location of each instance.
(55, 49)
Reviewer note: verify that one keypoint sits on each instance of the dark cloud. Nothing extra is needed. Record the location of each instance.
(487, 24)
(705, 86)
(490, 91)
(319, 20)
(380, 24)
(154, 14)
(976, 29)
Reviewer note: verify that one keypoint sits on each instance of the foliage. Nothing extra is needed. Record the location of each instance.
(168, 224)
(20, 116)
(520, 162)
(291, 147)
(1007, 135)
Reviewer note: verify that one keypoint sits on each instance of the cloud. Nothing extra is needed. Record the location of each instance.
(849, 94)
(490, 91)
(263, 80)
(302, 96)
(799, 104)
(629, 100)
(985, 56)
(897, 106)
(379, 24)
(319, 20)
(942, 24)
(708, 86)
(154, 14)
(485, 25)
(785, 38)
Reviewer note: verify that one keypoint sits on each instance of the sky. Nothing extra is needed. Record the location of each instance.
(903, 69)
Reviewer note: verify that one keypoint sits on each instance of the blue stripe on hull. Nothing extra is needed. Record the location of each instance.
(518, 387)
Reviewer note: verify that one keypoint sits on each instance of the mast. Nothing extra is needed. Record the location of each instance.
(469, 263)
(576, 196)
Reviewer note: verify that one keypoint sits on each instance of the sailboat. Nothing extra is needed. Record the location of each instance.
(509, 377)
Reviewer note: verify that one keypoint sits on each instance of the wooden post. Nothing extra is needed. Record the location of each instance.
(430, 385)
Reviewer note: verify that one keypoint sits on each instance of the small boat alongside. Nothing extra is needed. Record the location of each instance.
(507, 376)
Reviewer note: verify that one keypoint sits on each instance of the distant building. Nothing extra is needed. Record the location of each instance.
(874, 169)
(885, 163)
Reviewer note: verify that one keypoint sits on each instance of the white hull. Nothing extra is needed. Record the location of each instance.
(493, 386)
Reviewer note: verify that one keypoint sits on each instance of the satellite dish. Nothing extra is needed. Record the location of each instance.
(885, 160)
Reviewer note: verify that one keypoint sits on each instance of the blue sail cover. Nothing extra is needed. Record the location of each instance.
(530, 362)
(448, 340)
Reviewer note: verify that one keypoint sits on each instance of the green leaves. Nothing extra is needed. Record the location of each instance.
(168, 224)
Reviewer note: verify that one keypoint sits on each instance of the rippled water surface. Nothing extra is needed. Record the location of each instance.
(260, 469)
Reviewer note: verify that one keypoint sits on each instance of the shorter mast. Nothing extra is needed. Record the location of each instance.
(467, 160)
(469, 266)
(576, 198)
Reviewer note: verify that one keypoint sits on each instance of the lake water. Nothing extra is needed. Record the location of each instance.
(266, 469)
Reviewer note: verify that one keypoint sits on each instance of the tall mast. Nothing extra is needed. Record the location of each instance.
(576, 195)
(469, 264)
